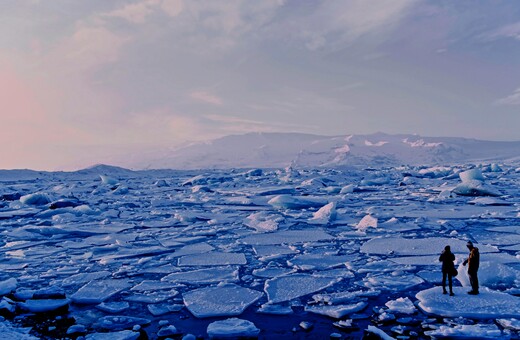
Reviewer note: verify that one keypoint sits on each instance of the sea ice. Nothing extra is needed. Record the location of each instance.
(43, 305)
(325, 214)
(8, 286)
(295, 202)
(319, 261)
(232, 328)
(113, 307)
(367, 222)
(38, 198)
(420, 246)
(223, 300)
(212, 259)
(119, 322)
(285, 288)
(263, 221)
(401, 305)
(489, 304)
(478, 331)
(397, 283)
(288, 237)
(121, 335)
(338, 311)
(202, 276)
(98, 291)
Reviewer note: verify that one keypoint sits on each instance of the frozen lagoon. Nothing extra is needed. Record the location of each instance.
(171, 252)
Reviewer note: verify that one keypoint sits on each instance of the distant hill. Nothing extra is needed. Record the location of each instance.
(305, 150)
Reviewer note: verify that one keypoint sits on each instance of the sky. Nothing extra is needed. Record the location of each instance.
(82, 81)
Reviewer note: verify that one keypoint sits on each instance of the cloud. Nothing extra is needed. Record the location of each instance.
(206, 97)
(508, 31)
(513, 99)
(337, 22)
(139, 12)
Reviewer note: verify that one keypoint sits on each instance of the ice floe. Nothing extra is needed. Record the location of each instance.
(223, 300)
(489, 304)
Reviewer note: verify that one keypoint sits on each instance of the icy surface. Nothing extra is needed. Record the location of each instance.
(226, 300)
(209, 243)
(488, 304)
(231, 329)
(292, 286)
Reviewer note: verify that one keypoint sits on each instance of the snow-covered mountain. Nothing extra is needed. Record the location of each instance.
(306, 150)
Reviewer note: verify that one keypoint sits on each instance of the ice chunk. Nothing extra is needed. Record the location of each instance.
(325, 214)
(38, 198)
(232, 328)
(7, 286)
(382, 335)
(197, 248)
(347, 189)
(338, 311)
(152, 297)
(478, 331)
(488, 304)
(82, 278)
(288, 236)
(224, 300)
(8, 332)
(491, 274)
(294, 202)
(201, 276)
(513, 324)
(475, 188)
(167, 331)
(107, 180)
(113, 307)
(212, 259)
(367, 222)
(319, 261)
(398, 282)
(401, 305)
(121, 335)
(98, 291)
(471, 175)
(119, 322)
(43, 305)
(263, 222)
(275, 309)
(422, 246)
(285, 288)
(148, 285)
(271, 272)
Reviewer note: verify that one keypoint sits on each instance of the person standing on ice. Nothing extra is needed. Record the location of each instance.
(473, 262)
(448, 268)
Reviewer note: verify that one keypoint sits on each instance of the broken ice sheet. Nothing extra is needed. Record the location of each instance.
(288, 237)
(212, 259)
(337, 311)
(388, 282)
(98, 291)
(285, 288)
(319, 261)
(152, 297)
(223, 300)
(489, 304)
(201, 276)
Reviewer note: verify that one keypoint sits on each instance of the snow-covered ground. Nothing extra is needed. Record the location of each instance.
(293, 253)
(279, 150)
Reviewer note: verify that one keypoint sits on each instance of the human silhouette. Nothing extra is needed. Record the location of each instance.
(448, 268)
(473, 262)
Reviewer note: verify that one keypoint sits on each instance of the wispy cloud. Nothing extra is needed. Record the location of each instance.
(507, 31)
(206, 97)
(513, 99)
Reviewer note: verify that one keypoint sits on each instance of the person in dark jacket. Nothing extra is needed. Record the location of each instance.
(448, 267)
(473, 262)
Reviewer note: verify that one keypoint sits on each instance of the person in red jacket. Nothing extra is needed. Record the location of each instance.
(448, 269)
(473, 262)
